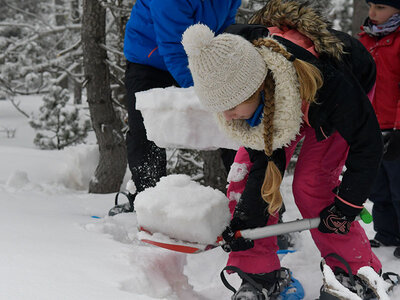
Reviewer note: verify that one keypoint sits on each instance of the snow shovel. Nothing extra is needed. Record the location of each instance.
(253, 234)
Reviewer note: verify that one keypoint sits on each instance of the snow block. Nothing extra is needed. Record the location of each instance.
(174, 118)
(183, 209)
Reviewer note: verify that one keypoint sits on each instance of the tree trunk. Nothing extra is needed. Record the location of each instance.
(360, 12)
(107, 126)
(77, 91)
(214, 170)
(75, 17)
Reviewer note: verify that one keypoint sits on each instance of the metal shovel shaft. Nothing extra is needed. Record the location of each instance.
(292, 226)
(281, 228)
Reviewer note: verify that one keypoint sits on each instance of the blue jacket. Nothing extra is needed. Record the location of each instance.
(154, 31)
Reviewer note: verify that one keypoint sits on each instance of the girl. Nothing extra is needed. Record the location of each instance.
(268, 96)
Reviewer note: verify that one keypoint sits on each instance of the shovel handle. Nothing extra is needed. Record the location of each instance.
(293, 226)
(281, 228)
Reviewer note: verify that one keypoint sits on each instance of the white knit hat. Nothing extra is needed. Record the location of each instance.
(226, 68)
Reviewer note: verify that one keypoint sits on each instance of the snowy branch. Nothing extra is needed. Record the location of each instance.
(67, 72)
(114, 65)
(190, 160)
(16, 105)
(11, 24)
(245, 11)
(26, 13)
(119, 81)
(124, 9)
(38, 35)
(11, 91)
(57, 62)
(72, 48)
(112, 50)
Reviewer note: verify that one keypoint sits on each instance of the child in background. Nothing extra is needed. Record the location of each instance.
(381, 37)
(268, 96)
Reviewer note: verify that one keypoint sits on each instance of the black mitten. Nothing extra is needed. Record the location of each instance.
(391, 145)
(235, 244)
(334, 221)
(243, 218)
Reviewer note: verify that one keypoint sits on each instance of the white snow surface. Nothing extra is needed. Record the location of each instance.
(53, 248)
(174, 118)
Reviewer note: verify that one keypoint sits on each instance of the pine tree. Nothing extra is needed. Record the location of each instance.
(58, 126)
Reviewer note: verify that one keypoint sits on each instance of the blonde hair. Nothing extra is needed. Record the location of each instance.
(310, 80)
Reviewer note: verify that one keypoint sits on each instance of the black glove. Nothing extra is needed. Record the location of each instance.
(242, 219)
(334, 221)
(235, 244)
(391, 145)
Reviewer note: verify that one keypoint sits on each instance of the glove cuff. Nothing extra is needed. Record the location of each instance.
(346, 208)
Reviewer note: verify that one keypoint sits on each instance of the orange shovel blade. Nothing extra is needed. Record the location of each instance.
(175, 245)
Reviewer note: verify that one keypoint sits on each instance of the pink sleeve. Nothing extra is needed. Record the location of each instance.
(371, 93)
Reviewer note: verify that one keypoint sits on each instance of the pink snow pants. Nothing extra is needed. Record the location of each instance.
(317, 172)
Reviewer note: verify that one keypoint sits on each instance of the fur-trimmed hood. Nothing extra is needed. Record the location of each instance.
(307, 17)
(287, 116)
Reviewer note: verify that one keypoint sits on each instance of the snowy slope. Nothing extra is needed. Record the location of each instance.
(52, 248)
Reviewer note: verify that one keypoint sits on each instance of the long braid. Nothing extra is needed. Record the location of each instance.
(273, 178)
(309, 76)
(275, 46)
(303, 18)
(269, 110)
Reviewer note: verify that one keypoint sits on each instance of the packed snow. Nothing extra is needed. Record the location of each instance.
(183, 209)
(57, 241)
(175, 118)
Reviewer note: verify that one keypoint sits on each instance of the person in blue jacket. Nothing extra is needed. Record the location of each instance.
(156, 59)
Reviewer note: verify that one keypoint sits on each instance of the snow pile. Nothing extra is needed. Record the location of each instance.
(183, 209)
(18, 180)
(80, 164)
(174, 118)
(160, 276)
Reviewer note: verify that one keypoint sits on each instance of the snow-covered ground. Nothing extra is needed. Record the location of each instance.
(51, 247)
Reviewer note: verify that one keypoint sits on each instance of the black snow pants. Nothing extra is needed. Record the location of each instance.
(385, 195)
(147, 162)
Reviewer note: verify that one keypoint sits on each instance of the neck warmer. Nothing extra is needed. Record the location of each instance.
(383, 29)
(258, 114)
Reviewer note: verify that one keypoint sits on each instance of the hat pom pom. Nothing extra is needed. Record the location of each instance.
(195, 38)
